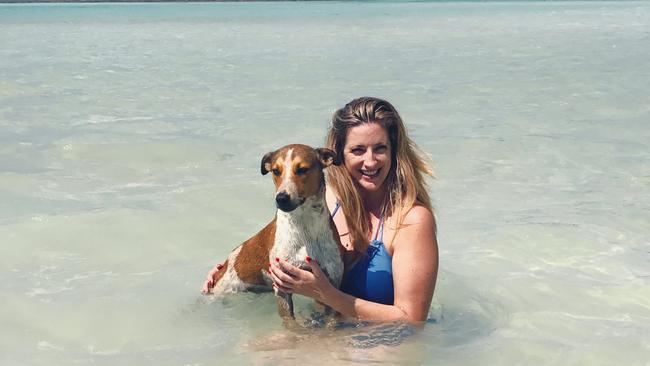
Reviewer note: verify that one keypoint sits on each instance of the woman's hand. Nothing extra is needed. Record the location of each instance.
(293, 280)
(208, 285)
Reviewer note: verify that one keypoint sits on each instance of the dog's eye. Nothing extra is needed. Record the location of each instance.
(301, 170)
(276, 172)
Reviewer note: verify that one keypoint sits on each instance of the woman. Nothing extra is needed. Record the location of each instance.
(382, 211)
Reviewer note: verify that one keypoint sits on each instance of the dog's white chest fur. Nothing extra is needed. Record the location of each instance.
(306, 232)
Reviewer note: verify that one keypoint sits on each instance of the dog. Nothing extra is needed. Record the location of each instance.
(302, 227)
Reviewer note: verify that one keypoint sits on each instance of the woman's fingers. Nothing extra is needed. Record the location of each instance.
(281, 280)
(210, 279)
(284, 289)
(280, 276)
(288, 268)
(290, 278)
(315, 267)
(207, 287)
(213, 272)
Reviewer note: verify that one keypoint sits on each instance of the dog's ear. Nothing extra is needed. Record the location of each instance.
(327, 157)
(266, 162)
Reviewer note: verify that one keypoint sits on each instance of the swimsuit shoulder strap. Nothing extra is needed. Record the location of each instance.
(380, 229)
(336, 208)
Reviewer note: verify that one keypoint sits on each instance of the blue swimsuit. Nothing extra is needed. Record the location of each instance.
(371, 277)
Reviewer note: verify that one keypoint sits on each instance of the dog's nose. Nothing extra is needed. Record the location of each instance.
(282, 199)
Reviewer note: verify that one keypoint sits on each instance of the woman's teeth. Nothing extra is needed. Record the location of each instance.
(370, 173)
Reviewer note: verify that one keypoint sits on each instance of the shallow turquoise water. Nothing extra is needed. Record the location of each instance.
(130, 141)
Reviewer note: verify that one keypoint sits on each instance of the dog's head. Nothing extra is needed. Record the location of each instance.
(297, 173)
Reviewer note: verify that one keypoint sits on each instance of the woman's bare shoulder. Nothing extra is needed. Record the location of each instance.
(419, 215)
(330, 198)
(418, 227)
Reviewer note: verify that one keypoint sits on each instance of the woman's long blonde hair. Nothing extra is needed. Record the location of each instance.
(406, 184)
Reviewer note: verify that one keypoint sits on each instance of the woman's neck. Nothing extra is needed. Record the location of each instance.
(373, 202)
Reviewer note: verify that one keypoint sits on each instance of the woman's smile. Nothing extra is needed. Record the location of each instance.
(370, 174)
(367, 155)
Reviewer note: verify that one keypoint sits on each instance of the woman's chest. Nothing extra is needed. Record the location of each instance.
(378, 231)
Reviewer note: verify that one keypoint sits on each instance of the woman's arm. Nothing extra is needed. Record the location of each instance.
(415, 268)
(314, 284)
(415, 263)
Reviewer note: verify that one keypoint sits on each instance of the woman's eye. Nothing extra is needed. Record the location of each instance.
(276, 172)
(381, 149)
(301, 171)
(357, 151)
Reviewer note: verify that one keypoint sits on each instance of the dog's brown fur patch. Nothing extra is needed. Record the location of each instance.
(254, 256)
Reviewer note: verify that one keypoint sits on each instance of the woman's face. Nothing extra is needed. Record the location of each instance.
(367, 155)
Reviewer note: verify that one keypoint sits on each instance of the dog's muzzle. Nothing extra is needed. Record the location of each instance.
(284, 202)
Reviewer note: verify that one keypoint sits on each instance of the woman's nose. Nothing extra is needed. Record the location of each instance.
(369, 158)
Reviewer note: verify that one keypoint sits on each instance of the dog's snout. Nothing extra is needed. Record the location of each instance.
(282, 199)
(285, 203)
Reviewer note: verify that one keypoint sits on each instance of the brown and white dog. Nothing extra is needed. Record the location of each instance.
(302, 227)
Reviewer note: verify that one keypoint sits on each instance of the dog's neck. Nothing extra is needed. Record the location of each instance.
(308, 221)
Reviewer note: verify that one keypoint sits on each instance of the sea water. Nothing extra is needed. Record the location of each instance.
(131, 137)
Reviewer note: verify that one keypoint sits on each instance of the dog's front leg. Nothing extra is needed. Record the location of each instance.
(330, 316)
(285, 305)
